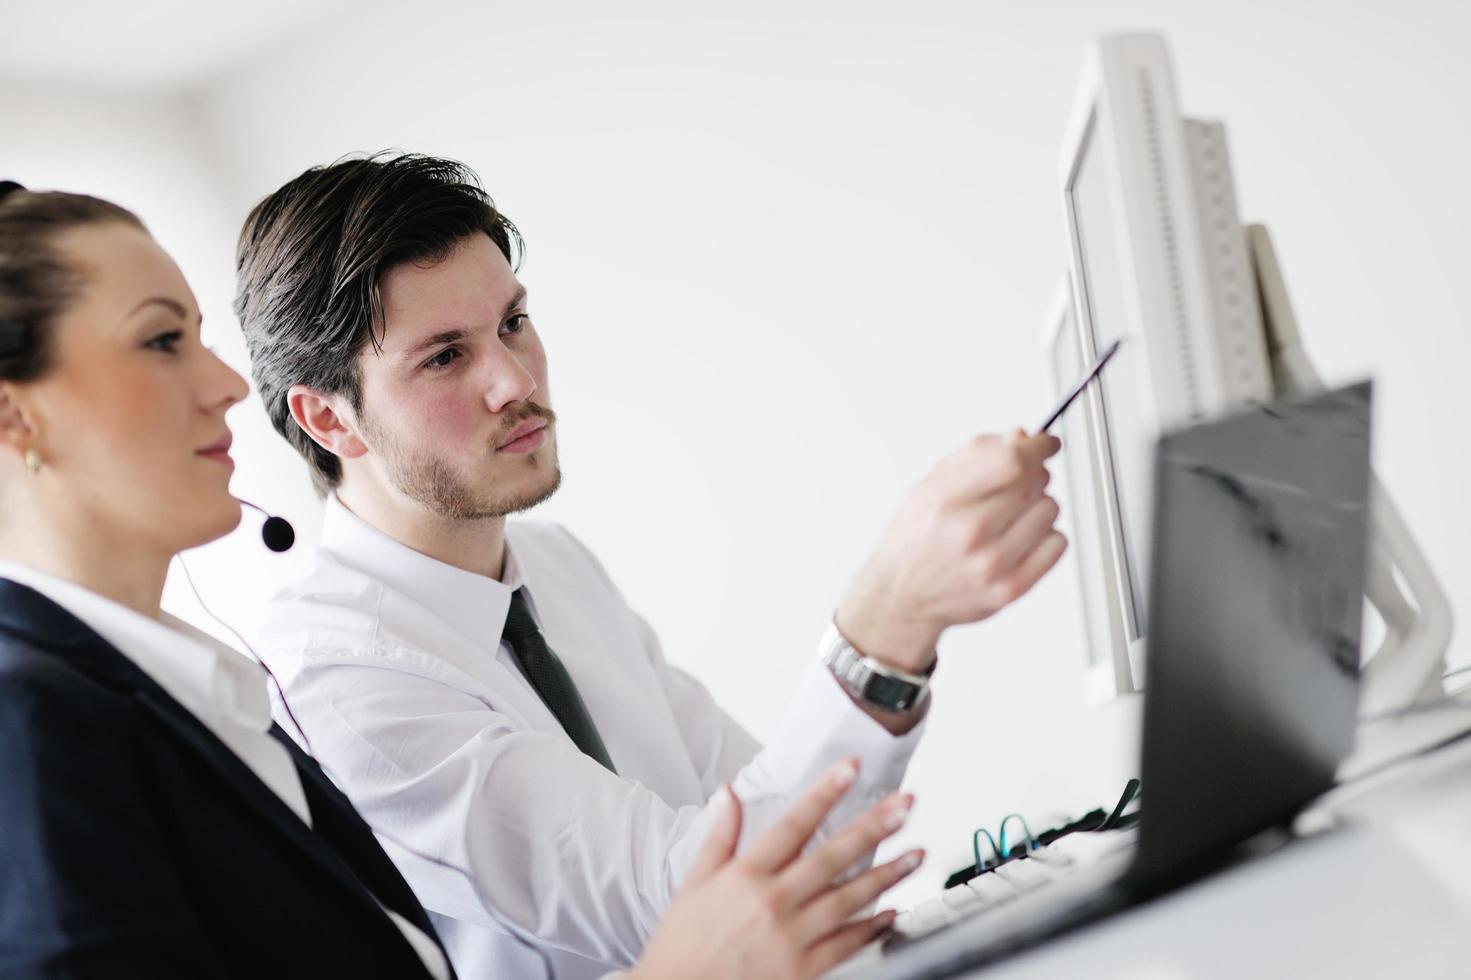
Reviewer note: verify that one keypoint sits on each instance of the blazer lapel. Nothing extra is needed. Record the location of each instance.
(340, 825)
(252, 792)
(48, 626)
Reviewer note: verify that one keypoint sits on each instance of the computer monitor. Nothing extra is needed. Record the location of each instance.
(1159, 259)
(1082, 489)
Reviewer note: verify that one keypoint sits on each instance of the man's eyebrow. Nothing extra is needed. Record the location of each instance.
(434, 340)
(458, 333)
(516, 301)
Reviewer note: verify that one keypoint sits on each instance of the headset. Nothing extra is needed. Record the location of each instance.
(278, 535)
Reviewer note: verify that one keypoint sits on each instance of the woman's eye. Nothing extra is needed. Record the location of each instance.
(168, 341)
(443, 358)
(515, 323)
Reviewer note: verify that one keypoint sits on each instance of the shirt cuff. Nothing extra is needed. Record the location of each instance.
(824, 725)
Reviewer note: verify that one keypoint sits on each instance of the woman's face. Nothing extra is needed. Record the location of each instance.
(130, 419)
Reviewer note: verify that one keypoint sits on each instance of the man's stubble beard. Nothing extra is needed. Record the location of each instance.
(432, 482)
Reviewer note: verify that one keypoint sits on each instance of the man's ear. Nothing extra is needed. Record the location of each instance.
(17, 434)
(326, 419)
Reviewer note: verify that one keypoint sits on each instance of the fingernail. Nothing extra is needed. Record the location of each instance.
(910, 861)
(898, 812)
(843, 774)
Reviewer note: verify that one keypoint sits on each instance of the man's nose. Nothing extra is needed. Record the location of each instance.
(507, 381)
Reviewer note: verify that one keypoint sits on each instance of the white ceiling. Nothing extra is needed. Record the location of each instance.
(155, 45)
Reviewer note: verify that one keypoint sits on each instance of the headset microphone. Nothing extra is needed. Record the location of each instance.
(276, 532)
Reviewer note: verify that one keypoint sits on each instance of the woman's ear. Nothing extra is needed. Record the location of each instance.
(17, 433)
(326, 421)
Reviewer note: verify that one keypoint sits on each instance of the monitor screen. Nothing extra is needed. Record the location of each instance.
(1079, 503)
(1125, 435)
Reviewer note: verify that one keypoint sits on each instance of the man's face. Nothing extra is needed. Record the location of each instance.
(455, 411)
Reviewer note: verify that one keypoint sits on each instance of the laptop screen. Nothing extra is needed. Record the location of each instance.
(1255, 608)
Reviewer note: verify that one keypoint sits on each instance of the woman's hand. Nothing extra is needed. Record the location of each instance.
(774, 913)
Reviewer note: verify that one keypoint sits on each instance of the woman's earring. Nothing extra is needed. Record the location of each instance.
(33, 462)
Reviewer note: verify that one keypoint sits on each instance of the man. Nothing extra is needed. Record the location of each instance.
(480, 689)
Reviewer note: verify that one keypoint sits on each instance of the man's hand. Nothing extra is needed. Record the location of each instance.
(973, 536)
(779, 911)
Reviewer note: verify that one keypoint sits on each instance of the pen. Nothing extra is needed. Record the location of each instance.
(1077, 389)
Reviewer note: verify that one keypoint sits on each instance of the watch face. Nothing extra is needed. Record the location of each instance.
(889, 692)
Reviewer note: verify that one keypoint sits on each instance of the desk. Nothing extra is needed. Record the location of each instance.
(1384, 892)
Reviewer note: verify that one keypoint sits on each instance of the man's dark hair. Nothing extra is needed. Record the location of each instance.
(311, 257)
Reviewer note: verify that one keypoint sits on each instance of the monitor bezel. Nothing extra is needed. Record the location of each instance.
(1127, 111)
(1111, 673)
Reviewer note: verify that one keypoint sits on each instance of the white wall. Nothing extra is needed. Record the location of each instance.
(785, 255)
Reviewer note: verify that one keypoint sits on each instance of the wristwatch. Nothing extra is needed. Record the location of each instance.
(869, 681)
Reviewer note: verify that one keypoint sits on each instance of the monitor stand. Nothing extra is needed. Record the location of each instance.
(1408, 667)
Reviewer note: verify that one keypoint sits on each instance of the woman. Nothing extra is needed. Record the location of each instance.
(153, 822)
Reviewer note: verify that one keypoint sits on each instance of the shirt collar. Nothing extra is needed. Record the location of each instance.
(207, 677)
(474, 605)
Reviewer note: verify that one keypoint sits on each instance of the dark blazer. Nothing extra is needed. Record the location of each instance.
(133, 843)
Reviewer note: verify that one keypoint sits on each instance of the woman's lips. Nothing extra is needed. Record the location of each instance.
(219, 450)
(219, 456)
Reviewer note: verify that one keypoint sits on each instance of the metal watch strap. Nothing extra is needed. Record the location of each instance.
(870, 681)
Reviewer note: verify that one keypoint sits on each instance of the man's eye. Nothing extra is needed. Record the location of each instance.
(168, 341)
(515, 323)
(443, 358)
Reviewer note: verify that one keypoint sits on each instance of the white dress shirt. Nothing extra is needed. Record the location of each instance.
(533, 859)
(219, 686)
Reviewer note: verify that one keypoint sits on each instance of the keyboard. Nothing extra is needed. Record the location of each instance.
(1042, 868)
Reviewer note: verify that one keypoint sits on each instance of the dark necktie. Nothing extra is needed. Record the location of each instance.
(551, 680)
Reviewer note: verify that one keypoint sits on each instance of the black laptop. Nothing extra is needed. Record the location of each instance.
(1255, 608)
